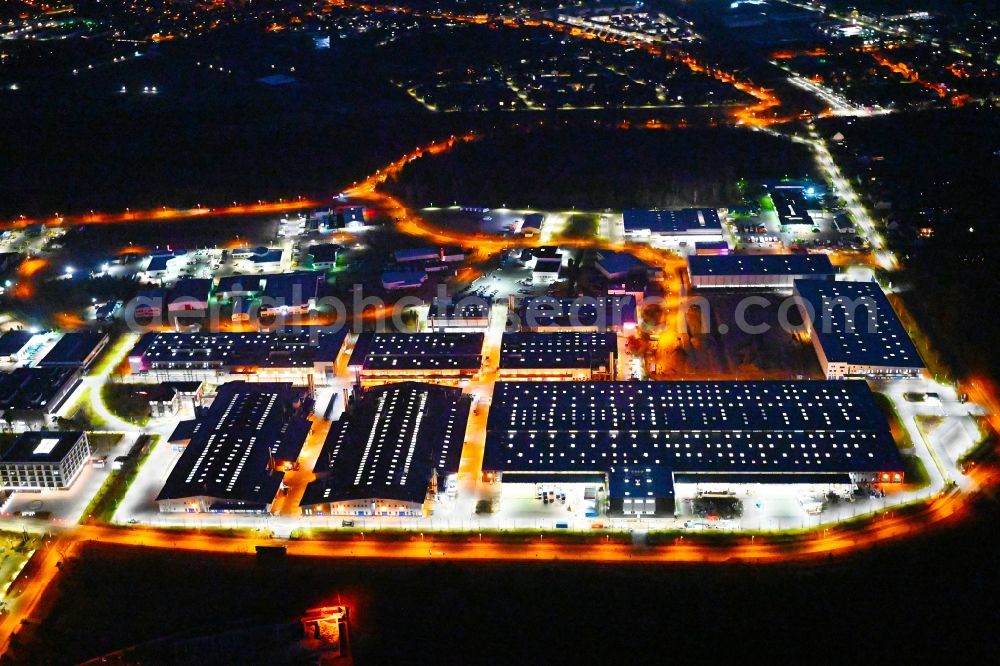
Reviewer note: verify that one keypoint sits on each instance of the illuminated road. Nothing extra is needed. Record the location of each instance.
(892, 524)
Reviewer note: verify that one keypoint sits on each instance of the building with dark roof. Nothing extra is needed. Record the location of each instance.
(386, 357)
(407, 255)
(547, 314)
(77, 349)
(350, 217)
(791, 207)
(855, 331)
(531, 225)
(265, 259)
(400, 279)
(189, 294)
(546, 270)
(234, 286)
(672, 226)
(162, 263)
(324, 255)
(394, 452)
(758, 271)
(561, 355)
(295, 354)
(14, 346)
(469, 314)
(30, 397)
(43, 460)
(640, 435)
(291, 293)
(618, 265)
(236, 455)
(147, 304)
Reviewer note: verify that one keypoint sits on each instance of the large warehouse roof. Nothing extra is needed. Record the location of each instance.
(293, 347)
(556, 350)
(686, 220)
(416, 351)
(231, 453)
(602, 312)
(390, 443)
(855, 324)
(640, 432)
(761, 264)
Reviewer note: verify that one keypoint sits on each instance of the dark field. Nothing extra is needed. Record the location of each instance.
(912, 598)
(208, 136)
(595, 168)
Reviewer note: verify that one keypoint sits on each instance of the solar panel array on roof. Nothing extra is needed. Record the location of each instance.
(417, 351)
(642, 432)
(232, 451)
(390, 443)
(556, 350)
(854, 323)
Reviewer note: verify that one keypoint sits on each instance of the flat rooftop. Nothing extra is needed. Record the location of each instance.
(855, 323)
(231, 451)
(620, 262)
(761, 264)
(556, 350)
(40, 447)
(73, 349)
(640, 433)
(467, 307)
(791, 207)
(242, 284)
(685, 220)
(325, 252)
(289, 348)
(293, 289)
(191, 289)
(417, 351)
(34, 388)
(390, 443)
(12, 342)
(602, 312)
